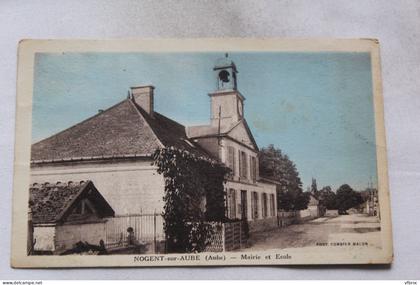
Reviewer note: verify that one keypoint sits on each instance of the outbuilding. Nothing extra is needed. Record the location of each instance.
(64, 214)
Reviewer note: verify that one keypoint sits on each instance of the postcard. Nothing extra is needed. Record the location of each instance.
(200, 152)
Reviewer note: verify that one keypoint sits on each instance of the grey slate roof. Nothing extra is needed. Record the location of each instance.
(125, 129)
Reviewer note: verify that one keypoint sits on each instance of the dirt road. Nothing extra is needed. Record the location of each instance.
(326, 230)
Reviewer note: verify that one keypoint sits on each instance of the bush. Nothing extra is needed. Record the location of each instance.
(190, 183)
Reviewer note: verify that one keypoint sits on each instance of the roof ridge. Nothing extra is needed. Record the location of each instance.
(138, 108)
(85, 120)
(248, 130)
(172, 120)
(147, 117)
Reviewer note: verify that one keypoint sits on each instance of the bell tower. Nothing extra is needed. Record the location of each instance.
(226, 101)
(225, 71)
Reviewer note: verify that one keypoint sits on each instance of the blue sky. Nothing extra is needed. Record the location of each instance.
(315, 107)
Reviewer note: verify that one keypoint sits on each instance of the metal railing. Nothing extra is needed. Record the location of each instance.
(147, 230)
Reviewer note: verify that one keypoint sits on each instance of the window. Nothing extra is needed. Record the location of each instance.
(253, 169)
(272, 205)
(232, 204)
(254, 205)
(264, 205)
(243, 165)
(231, 159)
(244, 205)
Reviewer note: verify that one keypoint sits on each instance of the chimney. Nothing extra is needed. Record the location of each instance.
(143, 96)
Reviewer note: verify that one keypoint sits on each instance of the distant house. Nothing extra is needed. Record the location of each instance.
(313, 206)
(114, 149)
(66, 213)
(312, 212)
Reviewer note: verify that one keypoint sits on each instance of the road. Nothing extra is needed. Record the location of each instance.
(326, 230)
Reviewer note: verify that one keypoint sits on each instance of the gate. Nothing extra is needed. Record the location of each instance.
(228, 236)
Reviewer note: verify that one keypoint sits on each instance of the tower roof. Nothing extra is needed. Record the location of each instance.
(225, 62)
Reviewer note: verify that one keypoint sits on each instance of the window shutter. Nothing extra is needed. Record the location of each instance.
(231, 159)
(233, 162)
(254, 204)
(245, 165)
(252, 170)
(232, 203)
(240, 163)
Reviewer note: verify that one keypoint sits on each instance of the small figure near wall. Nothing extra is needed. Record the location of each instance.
(139, 247)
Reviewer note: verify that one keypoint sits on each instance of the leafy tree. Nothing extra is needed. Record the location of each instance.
(347, 198)
(277, 166)
(328, 198)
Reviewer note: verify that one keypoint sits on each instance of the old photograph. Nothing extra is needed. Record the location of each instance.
(200, 152)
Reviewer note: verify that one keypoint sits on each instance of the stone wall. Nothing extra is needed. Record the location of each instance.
(67, 235)
(263, 224)
(44, 238)
(303, 215)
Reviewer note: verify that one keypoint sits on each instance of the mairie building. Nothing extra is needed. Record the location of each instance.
(114, 148)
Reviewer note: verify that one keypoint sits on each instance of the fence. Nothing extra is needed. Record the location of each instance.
(286, 218)
(228, 236)
(147, 230)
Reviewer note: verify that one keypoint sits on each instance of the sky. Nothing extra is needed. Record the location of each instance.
(317, 107)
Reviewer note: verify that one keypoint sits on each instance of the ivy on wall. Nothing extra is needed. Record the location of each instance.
(194, 195)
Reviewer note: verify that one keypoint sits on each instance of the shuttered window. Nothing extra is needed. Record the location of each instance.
(272, 205)
(254, 205)
(232, 204)
(253, 169)
(240, 163)
(243, 165)
(264, 205)
(231, 159)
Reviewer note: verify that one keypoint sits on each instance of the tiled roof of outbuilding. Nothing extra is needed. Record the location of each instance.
(123, 130)
(51, 202)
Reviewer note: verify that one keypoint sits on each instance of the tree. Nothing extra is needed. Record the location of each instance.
(314, 188)
(347, 198)
(328, 198)
(277, 166)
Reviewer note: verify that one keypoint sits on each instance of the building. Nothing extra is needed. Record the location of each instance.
(114, 150)
(229, 138)
(372, 203)
(313, 210)
(66, 213)
(313, 206)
